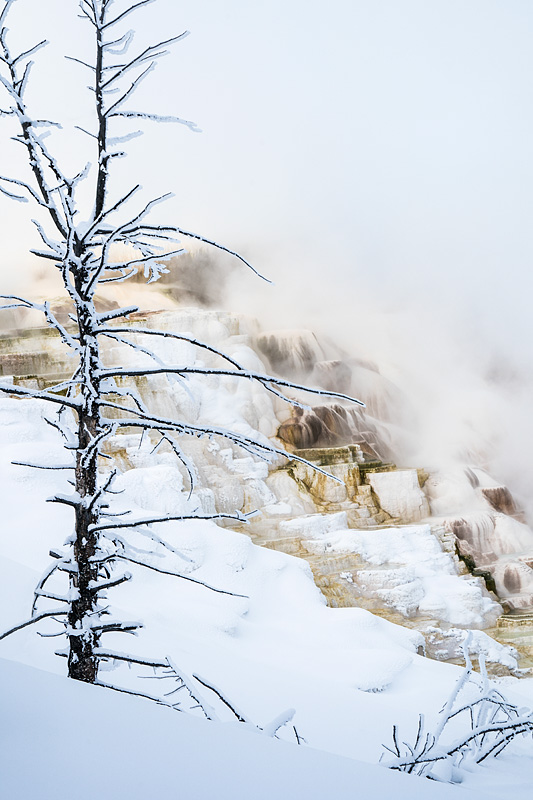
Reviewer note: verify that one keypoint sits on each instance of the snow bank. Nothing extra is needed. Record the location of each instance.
(125, 747)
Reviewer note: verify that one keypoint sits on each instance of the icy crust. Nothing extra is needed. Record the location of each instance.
(400, 494)
(315, 525)
(414, 575)
(479, 643)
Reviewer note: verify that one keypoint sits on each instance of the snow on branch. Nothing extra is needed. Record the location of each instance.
(19, 198)
(167, 670)
(118, 627)
(5, 10)
(159, 118)
(238, 714)
(88, 10)
(113, 655)
(180, 455)
(134, 85)
(125, 13)
(58, 612)
(148, 262)
(120, 46)
(156, 229)
(126, 137)
(116, 313)
(25, 186)
(256, 376)
(237, 516)
(491, 724)
(174, 574)
(65, 563)
(169, 335)
(148, 54)
(123, 276)
(20, 391)
(148, 533)
(31, 51)
(256, 448)
(105, 213)
(99, 586)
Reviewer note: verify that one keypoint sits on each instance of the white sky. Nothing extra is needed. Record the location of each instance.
(385, 144)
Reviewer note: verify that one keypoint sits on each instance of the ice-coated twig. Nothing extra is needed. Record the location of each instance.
(252, 446)
(20, 391)
(42, 466)
(179, 575)
(113, 331)
(134, 693)
(149, 534)
(180, 455)
(278, 722)
(167, 670)
(56, 565)
(113, 655)
(206, 707)
(124, 14)
(493, 723)
(57, 612)
(237, 516)
(251, 375)
(238, 714)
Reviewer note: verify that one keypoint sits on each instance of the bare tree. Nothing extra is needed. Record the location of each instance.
(466, 733)
(78, 241)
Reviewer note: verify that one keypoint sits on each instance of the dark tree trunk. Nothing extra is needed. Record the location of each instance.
(82, 659)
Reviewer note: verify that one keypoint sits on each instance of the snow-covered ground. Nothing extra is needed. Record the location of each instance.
(348, 674)
(114, 746)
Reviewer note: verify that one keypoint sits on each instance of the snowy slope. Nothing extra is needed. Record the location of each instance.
(130, 748)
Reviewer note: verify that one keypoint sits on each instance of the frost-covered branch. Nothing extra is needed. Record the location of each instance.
(254, 447)
(491, 721)
(21, 391)
(255, 376)
(167, 670)
(15, 301)
(237, 516)
(169, 335)
(56, 565)
(174, 574)
(162, 229)
(58, 612)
